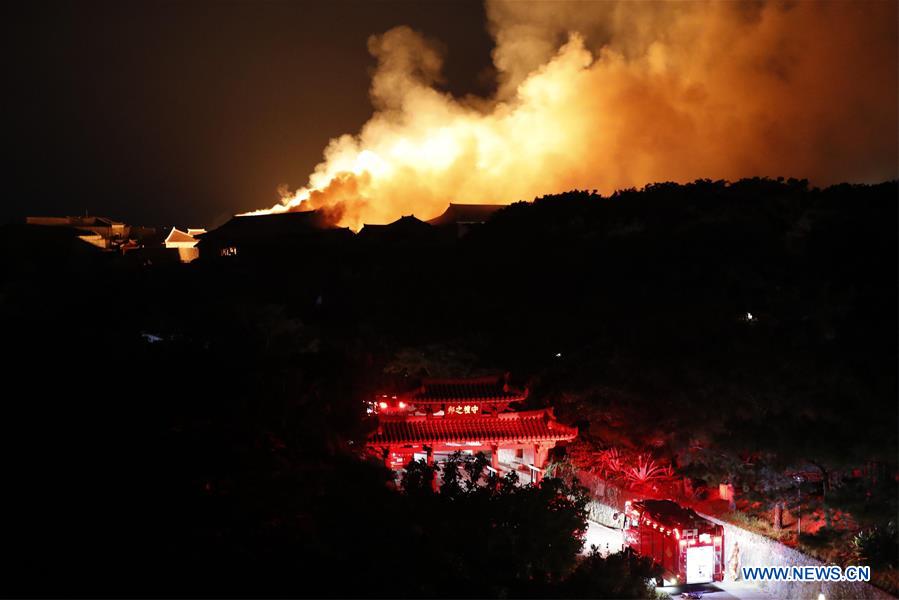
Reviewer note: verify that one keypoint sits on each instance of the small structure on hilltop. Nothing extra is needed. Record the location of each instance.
(184, 242)
(101, 232)
(135, 241)
(462, 217)
(404, 229)
(471, 415)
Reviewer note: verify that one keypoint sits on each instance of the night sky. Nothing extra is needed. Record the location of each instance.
(185, 113)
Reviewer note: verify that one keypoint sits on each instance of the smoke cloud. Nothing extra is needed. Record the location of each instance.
(608, 95)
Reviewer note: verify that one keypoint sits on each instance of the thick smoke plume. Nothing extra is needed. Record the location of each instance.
(607, 95)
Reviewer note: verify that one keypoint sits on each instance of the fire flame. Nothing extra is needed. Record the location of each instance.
(637, 92)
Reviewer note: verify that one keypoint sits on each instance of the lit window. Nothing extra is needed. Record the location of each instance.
(229, 251)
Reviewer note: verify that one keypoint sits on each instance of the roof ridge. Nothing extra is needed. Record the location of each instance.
(461, 380)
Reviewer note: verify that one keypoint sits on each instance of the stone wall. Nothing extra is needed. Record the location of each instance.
(602, 513)
(757, 550)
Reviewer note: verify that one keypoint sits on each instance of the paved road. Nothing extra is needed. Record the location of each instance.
(609, 540)
(721, 590)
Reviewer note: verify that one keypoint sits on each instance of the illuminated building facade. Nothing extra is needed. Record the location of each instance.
(101, 232)
(469, 415)
(185, 242)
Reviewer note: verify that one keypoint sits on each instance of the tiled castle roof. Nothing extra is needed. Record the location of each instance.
(530, 426)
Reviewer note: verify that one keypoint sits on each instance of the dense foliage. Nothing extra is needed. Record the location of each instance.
(495, 538)
(878, 546)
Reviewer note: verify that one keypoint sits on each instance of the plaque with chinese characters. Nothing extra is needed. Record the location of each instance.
(462, 410)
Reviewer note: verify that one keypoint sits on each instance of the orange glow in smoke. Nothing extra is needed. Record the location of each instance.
(640, 92)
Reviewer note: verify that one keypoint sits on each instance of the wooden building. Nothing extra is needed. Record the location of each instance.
(469, 415)
(462, 217)
(184, 242)
(270, 236)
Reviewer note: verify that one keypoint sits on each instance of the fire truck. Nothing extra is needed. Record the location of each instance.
(689, 548)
